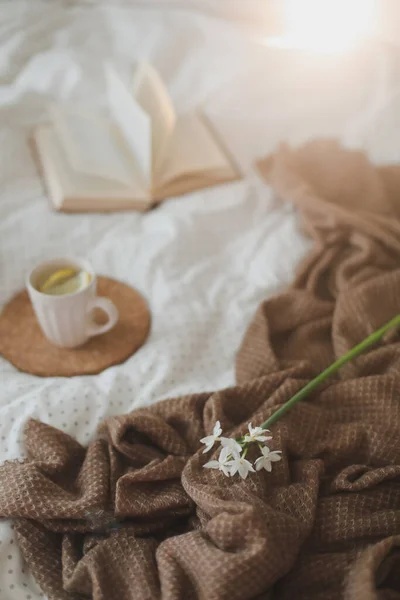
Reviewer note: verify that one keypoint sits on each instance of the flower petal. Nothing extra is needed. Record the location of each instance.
(243, 470)
(212, 464)
(233, 467)
(208, 439)
(209, 442)
(274, 457)
(257, 431)
(225, 469)
(250, 466)
(223, 457)
(217, 429)
(231, 443)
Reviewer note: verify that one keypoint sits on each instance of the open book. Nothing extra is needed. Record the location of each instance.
(142, 154)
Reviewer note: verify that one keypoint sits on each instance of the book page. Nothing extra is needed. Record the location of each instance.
(90, 145)
(133, 122)
(78, 186)
(152, 95)
(193, 149)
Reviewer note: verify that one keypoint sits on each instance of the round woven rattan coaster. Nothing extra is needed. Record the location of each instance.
(23, 344)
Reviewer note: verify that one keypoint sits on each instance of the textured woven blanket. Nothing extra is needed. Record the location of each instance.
(135, 516)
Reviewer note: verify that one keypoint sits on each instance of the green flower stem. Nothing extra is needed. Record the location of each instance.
(331, 370)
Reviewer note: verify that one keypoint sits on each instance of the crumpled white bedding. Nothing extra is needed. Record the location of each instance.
(204, 261)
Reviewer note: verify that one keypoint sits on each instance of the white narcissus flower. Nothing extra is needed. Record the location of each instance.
(256, 434)
(222, 464)
(268, 457)
(240, 465)
(231, 444)
(210, 440)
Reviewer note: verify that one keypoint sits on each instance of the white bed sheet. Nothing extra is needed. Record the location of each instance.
(205, 261)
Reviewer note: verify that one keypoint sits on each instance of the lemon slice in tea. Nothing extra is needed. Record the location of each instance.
(67, 281)
(56, 278)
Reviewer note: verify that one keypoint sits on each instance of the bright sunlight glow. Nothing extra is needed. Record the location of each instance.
(326, 25)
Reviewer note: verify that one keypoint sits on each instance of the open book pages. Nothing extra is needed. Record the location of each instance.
(141, 153)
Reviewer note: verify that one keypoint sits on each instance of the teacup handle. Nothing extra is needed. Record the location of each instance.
(109, 308)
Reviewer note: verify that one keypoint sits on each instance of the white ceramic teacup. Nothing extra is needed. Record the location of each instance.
(66, 320)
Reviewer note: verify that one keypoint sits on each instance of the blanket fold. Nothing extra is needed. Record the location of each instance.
(136, 517)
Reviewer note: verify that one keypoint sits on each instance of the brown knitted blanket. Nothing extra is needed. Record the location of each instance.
(135, 516)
